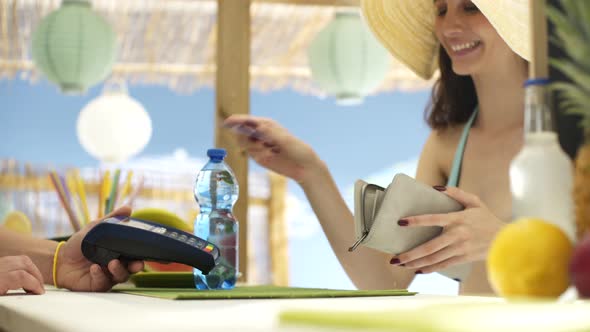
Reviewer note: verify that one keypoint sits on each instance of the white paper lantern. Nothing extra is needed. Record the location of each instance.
(114, 127)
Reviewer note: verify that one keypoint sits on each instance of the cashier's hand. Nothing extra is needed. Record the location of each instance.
(20, 272)
(75, 272)
(466, 235)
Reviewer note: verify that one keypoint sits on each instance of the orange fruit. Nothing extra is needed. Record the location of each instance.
(529, 258)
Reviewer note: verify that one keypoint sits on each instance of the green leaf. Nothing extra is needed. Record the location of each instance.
(569, 31)
(573, 96)
(576, 74)
(572, 35)
(577, 111)
(560, 20)
(583, 10)
(572, 45)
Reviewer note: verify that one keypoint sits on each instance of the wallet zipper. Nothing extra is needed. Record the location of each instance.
(358, 242)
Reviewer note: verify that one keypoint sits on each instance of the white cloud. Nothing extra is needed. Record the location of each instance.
(178, 162)
(383, 177)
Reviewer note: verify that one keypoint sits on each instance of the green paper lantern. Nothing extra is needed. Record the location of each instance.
(346, 60)
(74, 47)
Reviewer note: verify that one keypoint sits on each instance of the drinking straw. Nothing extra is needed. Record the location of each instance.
(80, 186)
(103, 191)
(126, 187)
(136, 191)
(55, 181)
(72, 194)
(539, 64)
(113, 194)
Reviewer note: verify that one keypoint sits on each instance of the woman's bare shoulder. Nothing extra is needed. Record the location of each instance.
(448, 137)
(445, 139)
(437, 155)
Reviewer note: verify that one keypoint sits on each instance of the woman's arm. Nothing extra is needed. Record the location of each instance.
(430, 169)
(275, 148)
(367, 268)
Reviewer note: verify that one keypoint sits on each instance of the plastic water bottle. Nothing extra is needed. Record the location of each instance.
(216, 191)
(541, 174)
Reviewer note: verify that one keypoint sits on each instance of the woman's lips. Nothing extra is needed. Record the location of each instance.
(463, 49)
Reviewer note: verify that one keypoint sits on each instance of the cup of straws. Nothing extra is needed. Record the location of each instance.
(78, 197)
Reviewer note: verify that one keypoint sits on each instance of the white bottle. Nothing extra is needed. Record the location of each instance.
(541, 174)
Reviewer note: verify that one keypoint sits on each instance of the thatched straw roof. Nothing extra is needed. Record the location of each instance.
(173, 42)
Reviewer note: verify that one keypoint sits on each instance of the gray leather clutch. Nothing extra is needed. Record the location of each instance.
(377, 211)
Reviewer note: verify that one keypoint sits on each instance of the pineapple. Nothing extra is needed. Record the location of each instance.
(572, 28)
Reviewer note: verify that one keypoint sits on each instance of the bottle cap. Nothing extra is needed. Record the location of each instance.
(216, 154)
(536, 81)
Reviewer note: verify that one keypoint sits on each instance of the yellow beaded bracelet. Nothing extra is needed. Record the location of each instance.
(55, 263)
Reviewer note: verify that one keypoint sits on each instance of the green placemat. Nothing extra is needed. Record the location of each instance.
(257, 292)
(452, 317)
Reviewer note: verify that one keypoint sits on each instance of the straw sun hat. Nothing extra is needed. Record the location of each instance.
(406, 28)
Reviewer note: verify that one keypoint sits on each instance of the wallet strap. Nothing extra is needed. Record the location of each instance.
(456, 168)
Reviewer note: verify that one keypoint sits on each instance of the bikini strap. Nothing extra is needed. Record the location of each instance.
(458, 160)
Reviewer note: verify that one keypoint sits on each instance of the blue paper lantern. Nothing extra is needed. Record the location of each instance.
(74, 47)
(346, 60)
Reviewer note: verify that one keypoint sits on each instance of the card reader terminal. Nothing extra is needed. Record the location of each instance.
(129, 239)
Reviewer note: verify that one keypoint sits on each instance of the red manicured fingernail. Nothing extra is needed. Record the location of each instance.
(253, 139)
(394, 261)
(440, 188)
(418, 272)
(403, 222)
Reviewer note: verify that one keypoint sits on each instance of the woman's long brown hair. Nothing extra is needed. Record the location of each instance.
(453, 96)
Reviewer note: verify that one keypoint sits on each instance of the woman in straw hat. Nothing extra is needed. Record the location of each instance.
(480, 48)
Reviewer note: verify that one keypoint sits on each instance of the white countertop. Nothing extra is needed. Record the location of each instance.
(64, 311)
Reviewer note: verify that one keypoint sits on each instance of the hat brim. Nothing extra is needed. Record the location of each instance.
(406, 28)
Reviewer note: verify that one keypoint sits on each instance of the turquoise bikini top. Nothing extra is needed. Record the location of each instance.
(455, 175)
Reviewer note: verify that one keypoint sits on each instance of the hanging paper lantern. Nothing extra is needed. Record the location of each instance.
(346, 60)
(114, 127)
(74, 47)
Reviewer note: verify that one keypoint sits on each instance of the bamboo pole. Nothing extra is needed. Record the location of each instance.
(539, 67)
(277, 230)
(233, 97)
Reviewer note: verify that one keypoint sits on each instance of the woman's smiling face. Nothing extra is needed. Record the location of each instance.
(468, 37)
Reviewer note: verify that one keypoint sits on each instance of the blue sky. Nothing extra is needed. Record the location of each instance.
(370, 141)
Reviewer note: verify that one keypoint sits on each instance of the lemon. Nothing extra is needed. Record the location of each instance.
(18, 222)
(163, 217)
(529, 258)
